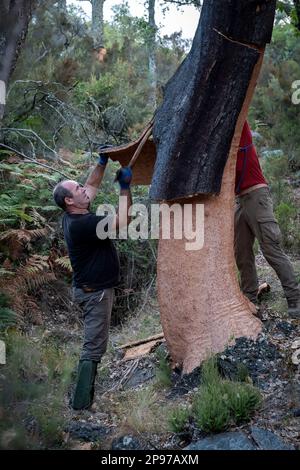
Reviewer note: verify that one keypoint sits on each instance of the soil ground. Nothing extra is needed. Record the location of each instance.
(131, 400)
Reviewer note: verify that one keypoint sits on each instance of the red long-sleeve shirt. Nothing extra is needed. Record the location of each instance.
(248, 170)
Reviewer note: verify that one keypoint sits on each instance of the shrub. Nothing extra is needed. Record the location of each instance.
(8, 317)
(210, 408)
(286, 214)
(243, 400)
(220, 403)
(163, 371)
(178, 418)
(33, 384)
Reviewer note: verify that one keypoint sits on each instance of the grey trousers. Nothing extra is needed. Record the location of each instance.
(254, 218)
(96, 308)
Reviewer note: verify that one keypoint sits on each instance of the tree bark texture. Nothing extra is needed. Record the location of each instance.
(14, 19)
(201, 305)
(195, 125)
(98, 23)
(152, 53)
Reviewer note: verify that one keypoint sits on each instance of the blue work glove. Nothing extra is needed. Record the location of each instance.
(103, 158)
(124, 177)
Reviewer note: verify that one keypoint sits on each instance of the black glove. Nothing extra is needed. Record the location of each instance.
(103, 158)
(124, 177)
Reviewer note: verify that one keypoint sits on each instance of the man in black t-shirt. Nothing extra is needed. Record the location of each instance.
(95, 267)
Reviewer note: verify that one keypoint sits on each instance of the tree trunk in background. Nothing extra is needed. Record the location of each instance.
(14, 19)
(297, 8)
(98, 24)
(152, 53)
(197, 132)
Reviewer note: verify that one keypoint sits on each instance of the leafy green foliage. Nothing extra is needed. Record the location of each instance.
(20, 186)
(70, 98)
(287, 216)
(276, 117)
(276, 170)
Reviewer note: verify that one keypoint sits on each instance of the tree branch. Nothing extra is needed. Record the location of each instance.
(31, 160)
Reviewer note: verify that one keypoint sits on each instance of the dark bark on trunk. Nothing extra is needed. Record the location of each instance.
(14, 20)
(195, 125)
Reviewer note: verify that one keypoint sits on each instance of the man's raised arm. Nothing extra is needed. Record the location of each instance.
(95, 178)
(124, 177)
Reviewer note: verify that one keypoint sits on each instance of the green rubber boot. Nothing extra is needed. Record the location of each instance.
(84, 391)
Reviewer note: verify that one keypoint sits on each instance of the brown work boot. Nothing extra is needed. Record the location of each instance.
(294, 309)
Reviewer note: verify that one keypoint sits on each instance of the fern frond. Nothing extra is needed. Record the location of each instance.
(35, 264)
(37, 217)
(38, 233)
(8, 318)
(7, 221)
(5, 272)
(25, 186)
(7, 166)
(49, 208)
(34, 273)
(23, 235)
(37, 280)
(23, 216)
(65, 263)
(8, 234)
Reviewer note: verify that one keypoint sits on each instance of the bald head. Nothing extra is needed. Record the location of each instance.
(60, 192)
(70, 195)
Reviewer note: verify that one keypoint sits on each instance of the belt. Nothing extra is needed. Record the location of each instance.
(87, 289)
(252, 188)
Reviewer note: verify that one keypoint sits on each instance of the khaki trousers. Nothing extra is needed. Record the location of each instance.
(254, 218)
(96, 309)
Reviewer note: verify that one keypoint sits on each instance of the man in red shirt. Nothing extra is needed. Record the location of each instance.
(254, 218)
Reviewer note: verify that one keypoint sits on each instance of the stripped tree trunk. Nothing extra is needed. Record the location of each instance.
(197, 127)
(14, 19)
(202, 307)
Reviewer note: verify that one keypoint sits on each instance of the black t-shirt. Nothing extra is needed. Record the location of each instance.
(95, 262)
